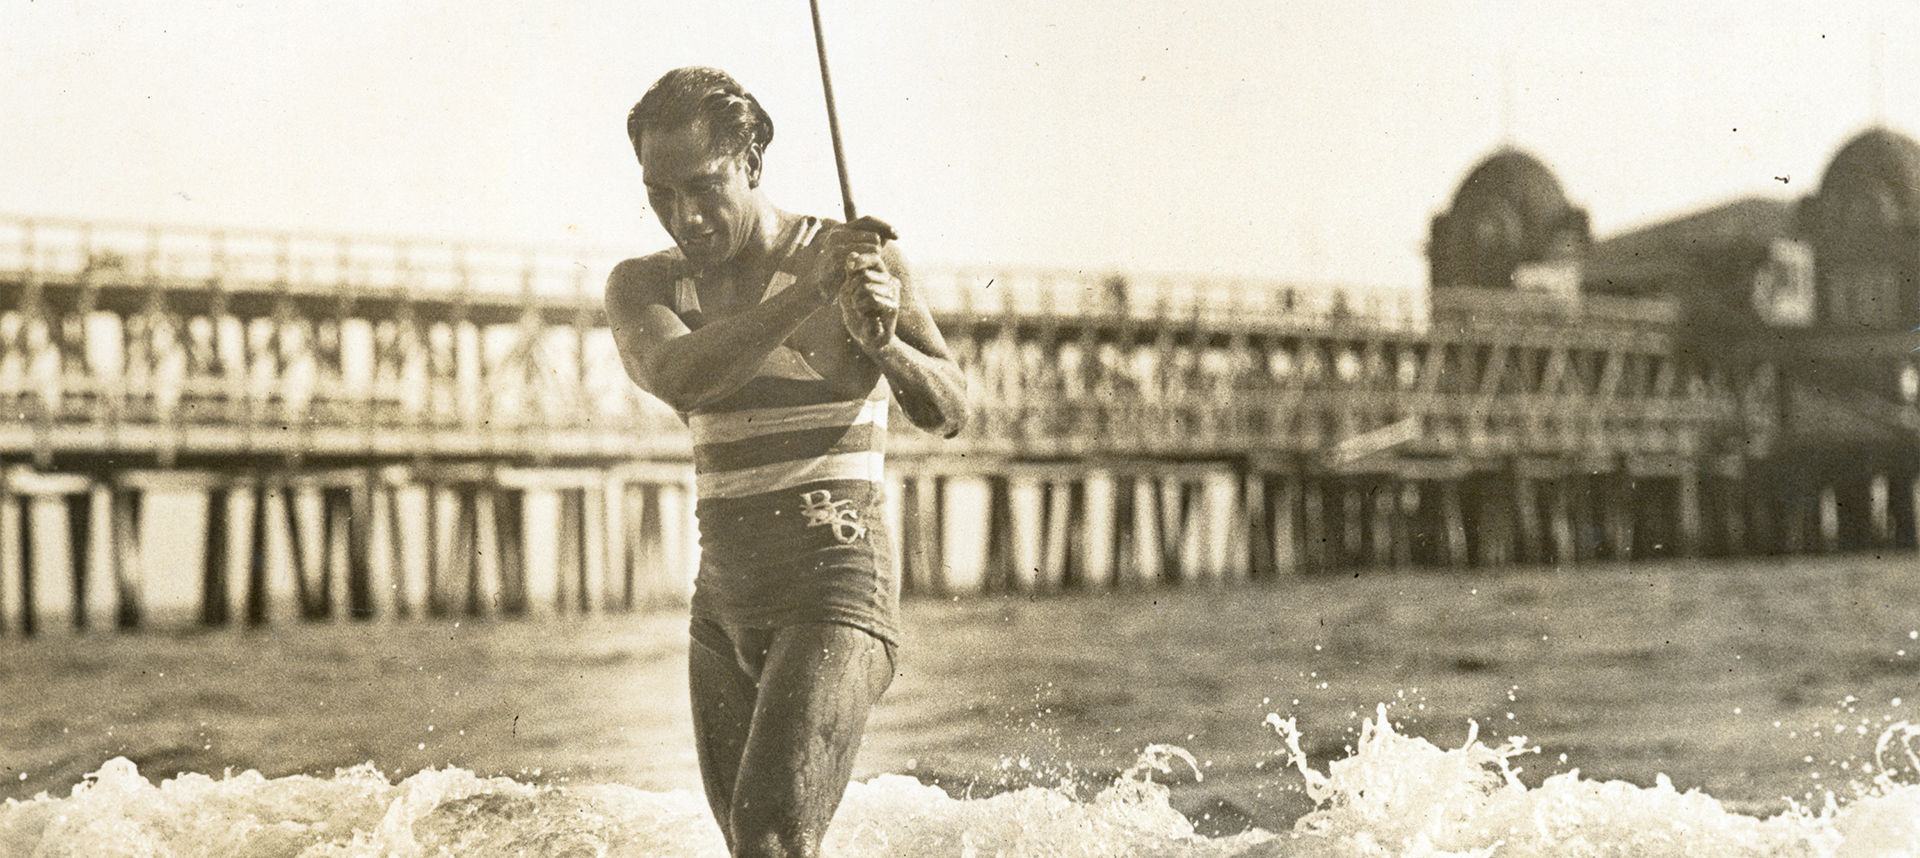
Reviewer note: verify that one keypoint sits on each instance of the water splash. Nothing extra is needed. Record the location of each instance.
(1395, 795)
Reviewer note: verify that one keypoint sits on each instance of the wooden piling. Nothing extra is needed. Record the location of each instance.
(1561, 522)
(217, 605)
(16, 610)
(1406, 502)
(412, 548)
(1690, 534)
(1880, 511)
(1733, 515)
(1454, 525)
(1317, 552)
(1829, 519)
(1618, 511)
(540, 517)
(1057, 515)
(922, 537)
(1382, 520)
(462, 584)
(1352, 551)
(306, 559)
(1912, 507)
(570, 565)
(968, 505)
(336, 522)
(1143, 563)
(645, 579)
(49, 594)
(1286, 510)
(679, 535)
(1904, 509)
(258, 537)
(1026, 503)
(1100, 502)
(1257, 519)
(1493, 522)
(383, 573)
(615, 582)
(894, 499)
(127, 574)
(1526, 514)
(489, 585)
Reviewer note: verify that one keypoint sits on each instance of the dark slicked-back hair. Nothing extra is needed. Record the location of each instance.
(684, 96)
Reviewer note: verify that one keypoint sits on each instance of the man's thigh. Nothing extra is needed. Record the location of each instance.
(817, 687)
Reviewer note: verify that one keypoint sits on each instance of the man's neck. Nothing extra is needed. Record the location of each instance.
(756, 256)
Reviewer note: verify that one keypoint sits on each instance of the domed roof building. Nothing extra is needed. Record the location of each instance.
(1864, 228)
(1510, 211)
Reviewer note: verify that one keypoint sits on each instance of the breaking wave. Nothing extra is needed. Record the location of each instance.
(1395, 795)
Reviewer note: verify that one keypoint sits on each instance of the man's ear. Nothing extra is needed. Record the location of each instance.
(753, 166)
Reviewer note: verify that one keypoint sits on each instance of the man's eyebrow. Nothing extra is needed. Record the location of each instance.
(714, 175)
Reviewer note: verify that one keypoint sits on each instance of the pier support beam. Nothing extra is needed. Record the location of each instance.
(1619, 514)
(1099, 503)
(1561, 522)
(920, 539)
(1142, 565)
(593, 543)
(1056, 571)
(1904, 509)
(1733, 515)
(508, 513)
(1317, 548)
(215, 558)
(1526, 513)
(1026, 504)
(1687, 503)
(968, 503)
(1829, 519)
(1453, 522)
(16, 608)
(1493, 522)
(1383, 523)
(1285, 514)
(1880, 511)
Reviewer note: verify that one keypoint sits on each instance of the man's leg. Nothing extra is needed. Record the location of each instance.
(723, 698)
(817, 688)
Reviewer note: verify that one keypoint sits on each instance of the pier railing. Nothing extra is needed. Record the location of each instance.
(378, 427)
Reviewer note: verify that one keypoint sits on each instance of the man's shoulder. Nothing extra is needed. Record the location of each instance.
(657, 267)
(646, 275)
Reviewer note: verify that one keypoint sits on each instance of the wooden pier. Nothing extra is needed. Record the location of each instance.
(207, 428)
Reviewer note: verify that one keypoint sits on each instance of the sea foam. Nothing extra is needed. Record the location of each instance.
(1395, 795)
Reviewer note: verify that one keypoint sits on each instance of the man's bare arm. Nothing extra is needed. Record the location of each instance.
(926, 381)
(687, 369)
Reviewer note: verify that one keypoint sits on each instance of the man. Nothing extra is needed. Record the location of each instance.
(778, 338)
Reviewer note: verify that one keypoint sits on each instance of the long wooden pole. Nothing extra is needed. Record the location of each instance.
(833, 116)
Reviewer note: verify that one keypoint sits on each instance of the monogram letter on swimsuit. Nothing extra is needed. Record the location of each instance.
(822, 510)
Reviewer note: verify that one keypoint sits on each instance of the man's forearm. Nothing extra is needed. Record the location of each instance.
(704, 365)
(932, 392)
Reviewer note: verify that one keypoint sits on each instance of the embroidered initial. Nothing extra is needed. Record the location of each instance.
(822, 510)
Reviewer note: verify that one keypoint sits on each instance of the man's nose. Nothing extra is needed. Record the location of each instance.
(687, 217)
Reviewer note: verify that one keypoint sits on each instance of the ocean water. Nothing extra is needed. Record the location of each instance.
(1711, 708)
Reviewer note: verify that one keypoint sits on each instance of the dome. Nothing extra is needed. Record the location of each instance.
(1518, 179)
(1873, 182)
(1508, 213)
(1878, 153)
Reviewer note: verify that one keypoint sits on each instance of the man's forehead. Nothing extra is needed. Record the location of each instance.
(676, 153)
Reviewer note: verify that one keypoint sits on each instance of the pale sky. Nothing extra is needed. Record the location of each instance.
(1307, 141)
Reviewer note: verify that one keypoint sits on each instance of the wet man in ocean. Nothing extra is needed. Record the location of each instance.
(779, 338)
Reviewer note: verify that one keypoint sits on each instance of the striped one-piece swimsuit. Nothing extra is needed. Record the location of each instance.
(789, 472)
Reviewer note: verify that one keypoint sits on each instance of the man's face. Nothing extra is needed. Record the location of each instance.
(704, 199)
